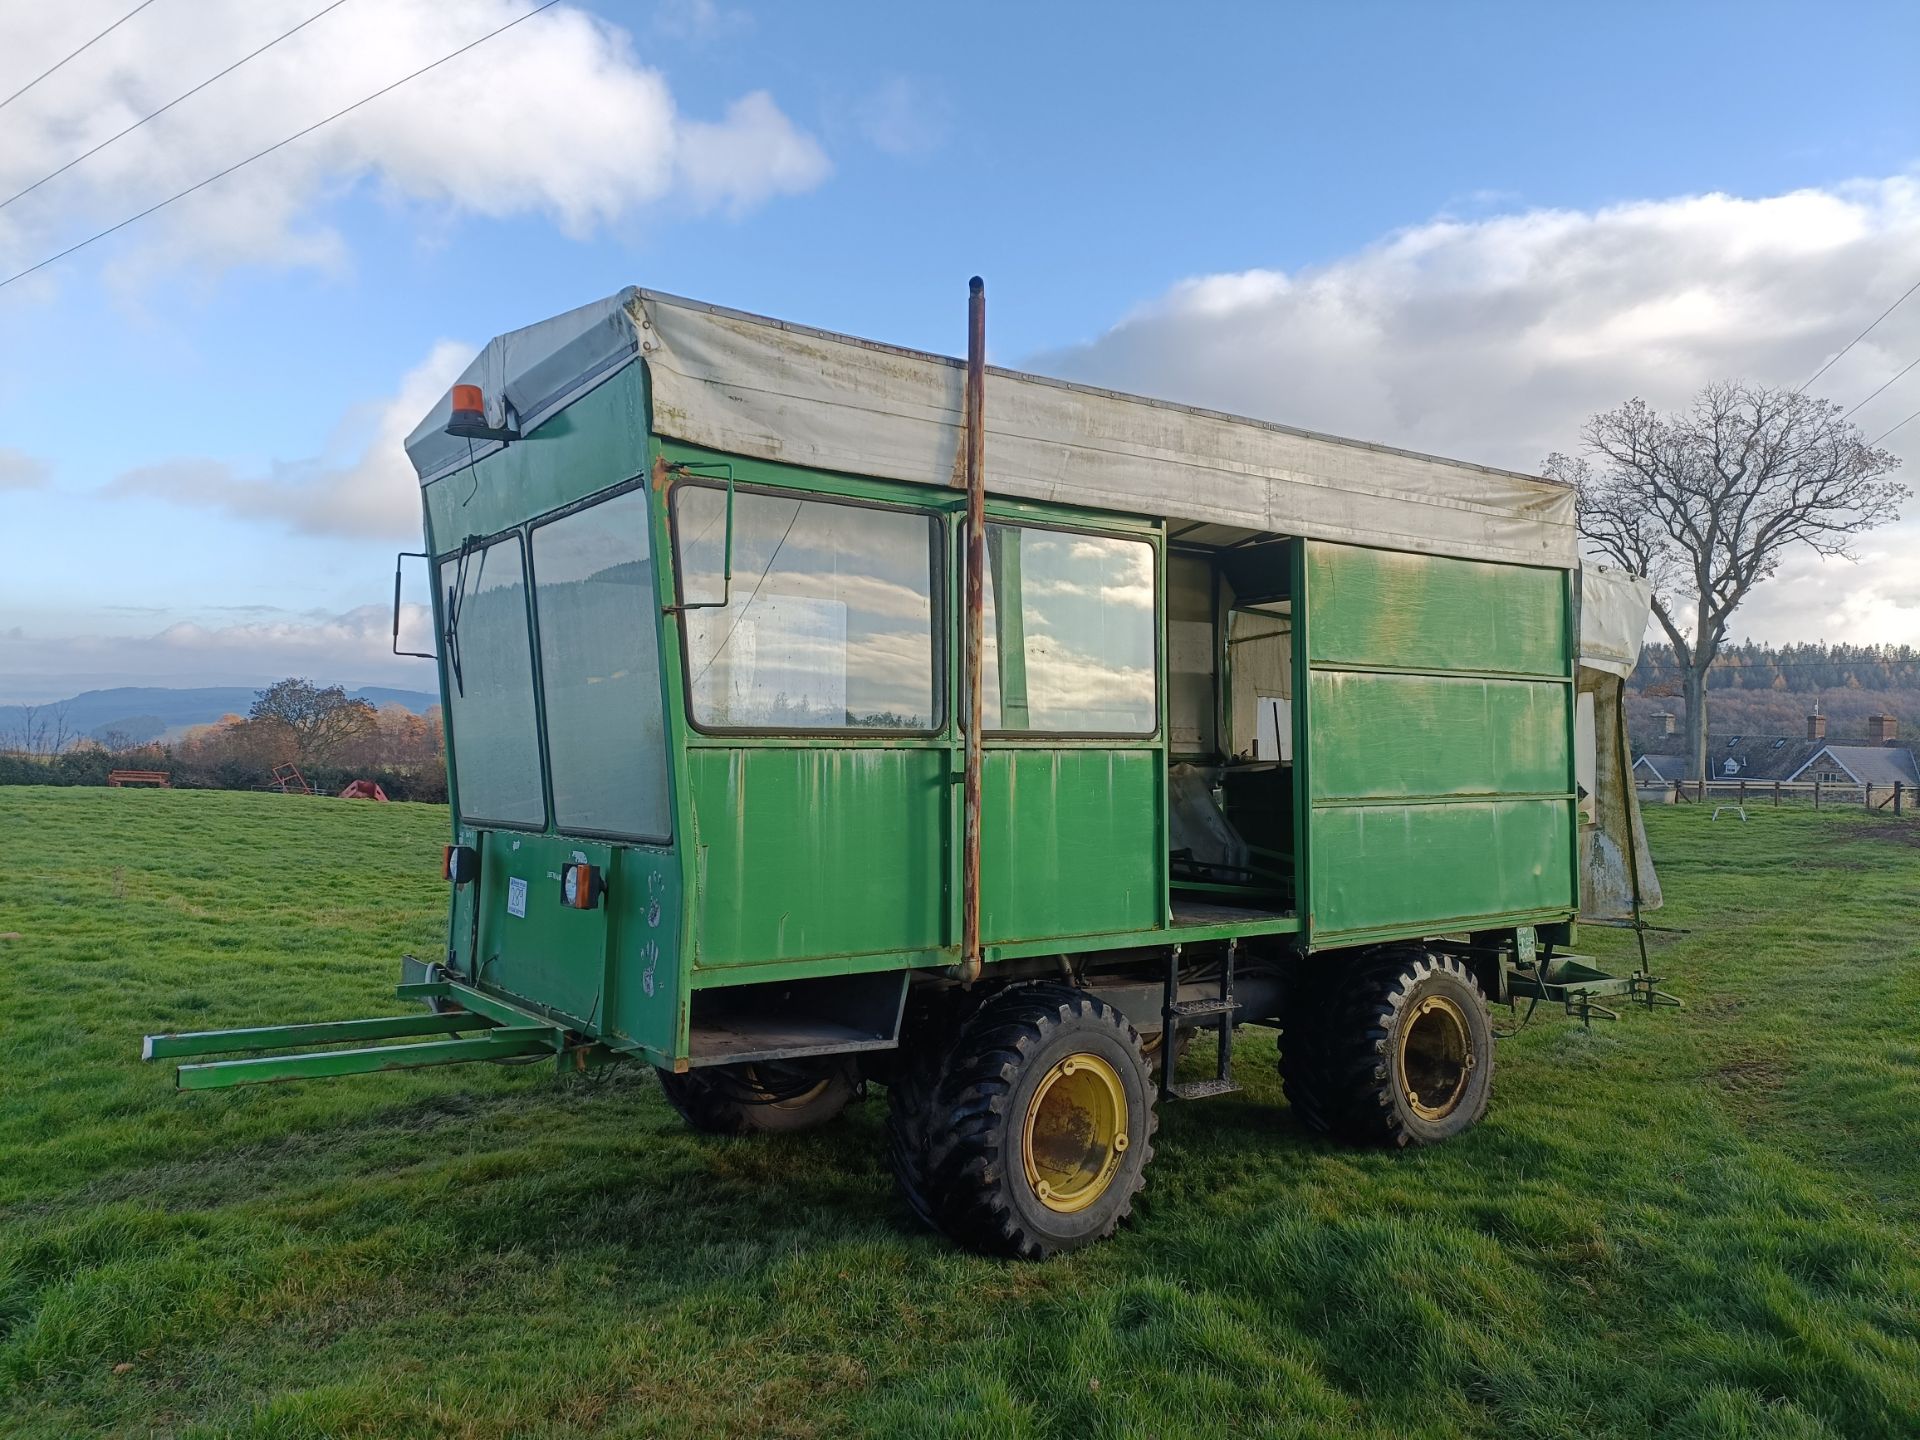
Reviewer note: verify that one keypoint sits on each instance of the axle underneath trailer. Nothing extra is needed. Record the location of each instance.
(1021, 1110)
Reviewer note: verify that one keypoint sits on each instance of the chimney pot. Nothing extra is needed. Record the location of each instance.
(1816, 727)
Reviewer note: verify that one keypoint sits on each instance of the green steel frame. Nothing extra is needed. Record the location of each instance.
(471, 1026)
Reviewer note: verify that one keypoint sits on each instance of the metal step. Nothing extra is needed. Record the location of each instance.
(1201, 1009)
(1201, 1089)
(1215, 1013)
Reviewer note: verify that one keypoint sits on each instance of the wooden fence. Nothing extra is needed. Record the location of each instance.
(1895, 799)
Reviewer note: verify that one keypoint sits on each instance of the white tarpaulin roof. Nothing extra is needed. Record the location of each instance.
(1614, 606)
(747, 385)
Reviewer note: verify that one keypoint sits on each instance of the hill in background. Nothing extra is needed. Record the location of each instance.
(1758, 689)
(142, 713)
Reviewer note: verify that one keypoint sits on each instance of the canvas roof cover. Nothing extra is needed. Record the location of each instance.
(762, 388)
(1614, 606)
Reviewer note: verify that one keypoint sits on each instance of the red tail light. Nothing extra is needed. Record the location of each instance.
(460, 864)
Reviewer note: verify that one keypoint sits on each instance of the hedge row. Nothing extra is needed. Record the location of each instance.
(426, 783)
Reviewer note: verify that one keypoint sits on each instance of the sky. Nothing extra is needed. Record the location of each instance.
(1459, 228)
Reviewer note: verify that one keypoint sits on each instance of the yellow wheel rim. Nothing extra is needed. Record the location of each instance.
(1436, 1056)
(792, 1102)
(1075, 1133)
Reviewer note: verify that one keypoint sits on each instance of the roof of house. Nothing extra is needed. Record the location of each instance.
(1664, 767)
(1870, 764)
(1781, 757)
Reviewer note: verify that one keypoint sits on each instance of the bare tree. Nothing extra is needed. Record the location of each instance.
(322, 721)
(43, 730)
(1704, 503)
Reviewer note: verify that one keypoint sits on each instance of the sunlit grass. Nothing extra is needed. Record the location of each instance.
(1697, 1223)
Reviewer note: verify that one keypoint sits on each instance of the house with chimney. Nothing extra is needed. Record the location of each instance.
(1881, 761)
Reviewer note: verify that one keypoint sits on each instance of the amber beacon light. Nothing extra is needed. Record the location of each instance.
(467, 416)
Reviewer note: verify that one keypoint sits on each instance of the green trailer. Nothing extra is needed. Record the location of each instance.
(823, 714)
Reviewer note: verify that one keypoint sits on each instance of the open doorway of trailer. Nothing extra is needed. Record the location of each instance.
(1233, 725)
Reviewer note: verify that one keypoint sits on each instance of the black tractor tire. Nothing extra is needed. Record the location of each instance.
(1408, 1049)
(909, 1143)
(1041, 1126)
(759, 1100)
(926, 1041)
(1303, 1049)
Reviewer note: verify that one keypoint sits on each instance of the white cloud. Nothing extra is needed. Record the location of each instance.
(371, 493)
(751, 155)
(353, 646)
(21, 471)
(902, 118)
(1492, 340)
(700, 22)
(557, 116)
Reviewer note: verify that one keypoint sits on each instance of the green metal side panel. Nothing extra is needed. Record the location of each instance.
(1391, 611)
(1071, 842)
(817, 851)
(644, 982)
(599, 440)
(1417, 866)
(1395, 736)
(531, 945)
(1439, 784)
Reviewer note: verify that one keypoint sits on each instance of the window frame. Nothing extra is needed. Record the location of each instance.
(937, 621)
(450, 692)
(1156, 622)
(552, 517)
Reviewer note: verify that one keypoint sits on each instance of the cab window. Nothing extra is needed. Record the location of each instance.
(828, 623)
(600, 670)
(1069, 634)
(496, 738)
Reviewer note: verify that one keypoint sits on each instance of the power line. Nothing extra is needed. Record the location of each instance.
(277, 145)
(1884, 433)
(1858, 338)
(58, 63)
(1915, 361)
(169, 105)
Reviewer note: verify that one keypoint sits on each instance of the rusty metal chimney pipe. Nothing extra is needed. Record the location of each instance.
(970, 957)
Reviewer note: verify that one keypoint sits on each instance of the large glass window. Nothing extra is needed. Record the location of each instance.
(496, 742)
(1069, 633)
(829, 622)
(600, 670)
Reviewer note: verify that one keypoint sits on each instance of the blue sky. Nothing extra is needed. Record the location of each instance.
(1323, 214)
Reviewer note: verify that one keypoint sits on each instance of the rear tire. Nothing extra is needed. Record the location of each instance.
(909, 1116)
(1303, 1050)
(1152, 1046)
(1040, 1130)
(926, 1042)
(760, 1099)
(1405, 1050)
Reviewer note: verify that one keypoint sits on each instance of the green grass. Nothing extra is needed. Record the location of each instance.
(1693, 1224)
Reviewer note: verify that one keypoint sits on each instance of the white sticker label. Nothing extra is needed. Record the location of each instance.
(517, 897)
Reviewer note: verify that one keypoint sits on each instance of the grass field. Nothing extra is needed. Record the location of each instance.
(1697, 1223)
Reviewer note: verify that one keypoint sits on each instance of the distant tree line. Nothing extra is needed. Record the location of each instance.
(329, 736)
(1795, 669)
